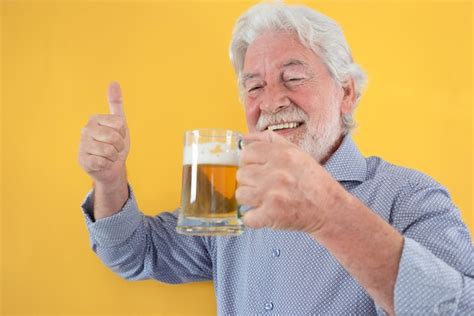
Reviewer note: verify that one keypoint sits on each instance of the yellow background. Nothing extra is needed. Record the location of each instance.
(172, 61)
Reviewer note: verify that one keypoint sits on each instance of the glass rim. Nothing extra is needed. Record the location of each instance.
(213, 132)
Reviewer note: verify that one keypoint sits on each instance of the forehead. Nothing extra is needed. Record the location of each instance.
(271, 50)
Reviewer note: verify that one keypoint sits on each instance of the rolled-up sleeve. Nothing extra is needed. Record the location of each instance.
(436, 270)
(138, 247)
(426, 285)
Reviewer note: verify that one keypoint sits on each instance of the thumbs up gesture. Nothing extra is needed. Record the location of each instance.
(105, 142)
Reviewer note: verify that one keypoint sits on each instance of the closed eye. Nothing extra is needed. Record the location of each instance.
(254, 89)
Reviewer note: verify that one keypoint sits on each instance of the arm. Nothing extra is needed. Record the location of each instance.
(427, 271)
(436, 272)
(289, 190)
(365, 245)
(140, 247)
(132, 244)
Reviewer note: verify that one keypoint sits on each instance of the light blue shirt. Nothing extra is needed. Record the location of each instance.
(266, 271)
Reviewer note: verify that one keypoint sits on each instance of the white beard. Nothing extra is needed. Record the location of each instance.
(320, 139)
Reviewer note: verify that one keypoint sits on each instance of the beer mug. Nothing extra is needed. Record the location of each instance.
(208, 204)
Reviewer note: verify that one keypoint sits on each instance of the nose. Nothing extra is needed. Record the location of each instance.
(274, 99)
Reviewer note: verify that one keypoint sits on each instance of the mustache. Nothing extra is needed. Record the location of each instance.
(290, 114)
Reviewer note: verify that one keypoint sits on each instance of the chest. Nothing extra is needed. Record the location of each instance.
(286, 272)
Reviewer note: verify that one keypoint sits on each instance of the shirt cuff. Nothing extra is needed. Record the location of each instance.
(113, 230)
(425, 284)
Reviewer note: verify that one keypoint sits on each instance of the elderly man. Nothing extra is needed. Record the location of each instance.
(330, 232)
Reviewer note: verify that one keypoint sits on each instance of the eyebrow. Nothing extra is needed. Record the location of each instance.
(249, 76)
(293, 62)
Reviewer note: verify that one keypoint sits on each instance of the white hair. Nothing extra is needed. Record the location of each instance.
(316, 31)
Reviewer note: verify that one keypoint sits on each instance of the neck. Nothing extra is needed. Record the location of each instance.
(333, 149)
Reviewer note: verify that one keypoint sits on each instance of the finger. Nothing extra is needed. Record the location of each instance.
(256, 153)
(249, 174)
(105, 134)
(265, 136)
(113, 121)
(97, 163)
(254, 218)
(114, 98)
(247, 195)
(96, 148)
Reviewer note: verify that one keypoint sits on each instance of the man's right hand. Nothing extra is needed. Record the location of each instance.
(103, 150)
(105, 143)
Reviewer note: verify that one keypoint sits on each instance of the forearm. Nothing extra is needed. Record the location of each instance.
(139, 247)
(109, 198)
(366, 246)
(119, 239)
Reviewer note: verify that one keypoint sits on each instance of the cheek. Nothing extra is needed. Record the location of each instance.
(310, 101)
(252, 113)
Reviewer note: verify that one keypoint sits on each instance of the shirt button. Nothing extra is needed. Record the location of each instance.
(275, 253)
(269, 306)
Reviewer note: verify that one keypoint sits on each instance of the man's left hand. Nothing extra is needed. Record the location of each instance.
(286, 188)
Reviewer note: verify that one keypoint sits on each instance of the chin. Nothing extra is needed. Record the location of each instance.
(321, 146)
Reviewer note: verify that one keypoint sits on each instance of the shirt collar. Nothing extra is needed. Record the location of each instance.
(347, 163)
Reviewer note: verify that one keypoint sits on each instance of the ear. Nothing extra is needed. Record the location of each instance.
(349, 96)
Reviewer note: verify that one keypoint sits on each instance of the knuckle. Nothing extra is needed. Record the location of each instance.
(94, 164)
(109, 151)
(114, 155)
(100, 163)
(275, 197)
(283, 178)
(119, 145)
(113, 137)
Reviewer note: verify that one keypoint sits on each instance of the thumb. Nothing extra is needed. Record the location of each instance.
(114, 98)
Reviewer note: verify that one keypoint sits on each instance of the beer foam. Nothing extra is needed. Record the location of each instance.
(210, 153)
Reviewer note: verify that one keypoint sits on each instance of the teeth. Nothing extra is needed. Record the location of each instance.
(284, 125)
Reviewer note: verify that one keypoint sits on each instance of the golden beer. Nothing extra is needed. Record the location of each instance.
(213, 196)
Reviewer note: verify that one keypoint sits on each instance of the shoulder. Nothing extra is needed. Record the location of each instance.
(378, 168)
(418, 198)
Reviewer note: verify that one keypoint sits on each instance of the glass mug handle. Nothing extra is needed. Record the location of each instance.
(241, 209)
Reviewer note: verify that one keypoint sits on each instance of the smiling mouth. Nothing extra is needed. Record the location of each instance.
(284, 126)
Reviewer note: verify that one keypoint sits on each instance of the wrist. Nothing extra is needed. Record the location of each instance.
(109, 198)
(333, 209)
(329, 199)
(111, 187)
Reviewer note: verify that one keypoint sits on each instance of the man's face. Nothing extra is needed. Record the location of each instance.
(286, 83)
